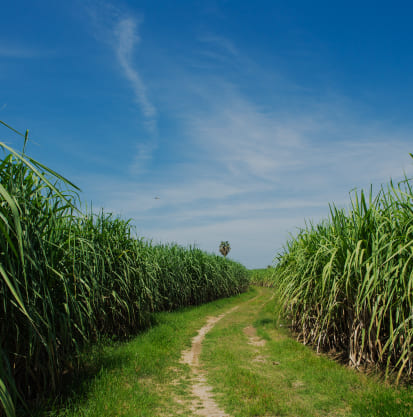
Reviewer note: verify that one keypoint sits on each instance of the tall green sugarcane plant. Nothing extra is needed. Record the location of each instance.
(67, 278)
(347, 282)
(25, 190)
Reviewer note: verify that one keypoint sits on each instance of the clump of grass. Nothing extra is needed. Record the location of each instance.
(347, 282)
(68, 278)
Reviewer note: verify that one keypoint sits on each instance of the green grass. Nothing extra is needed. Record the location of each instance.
(144, 377)
(286, 378)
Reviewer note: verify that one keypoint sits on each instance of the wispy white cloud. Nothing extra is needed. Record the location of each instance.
(126, 39)
(119, 30)
(247, 141)
(322, 145)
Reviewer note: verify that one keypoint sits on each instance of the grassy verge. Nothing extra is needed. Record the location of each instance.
(286, 378)
(142, 377)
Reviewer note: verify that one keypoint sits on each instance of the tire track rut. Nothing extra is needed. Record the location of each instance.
(203, 403)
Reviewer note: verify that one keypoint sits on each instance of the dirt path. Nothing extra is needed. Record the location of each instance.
(203, 403)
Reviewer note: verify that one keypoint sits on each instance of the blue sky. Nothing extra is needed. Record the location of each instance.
(244, 118)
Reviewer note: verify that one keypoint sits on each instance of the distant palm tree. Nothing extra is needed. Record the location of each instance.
(224, 248)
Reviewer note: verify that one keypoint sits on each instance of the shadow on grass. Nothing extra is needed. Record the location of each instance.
(96, 359)
(263, 322)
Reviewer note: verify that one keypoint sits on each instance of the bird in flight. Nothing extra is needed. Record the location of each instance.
(157, 198)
